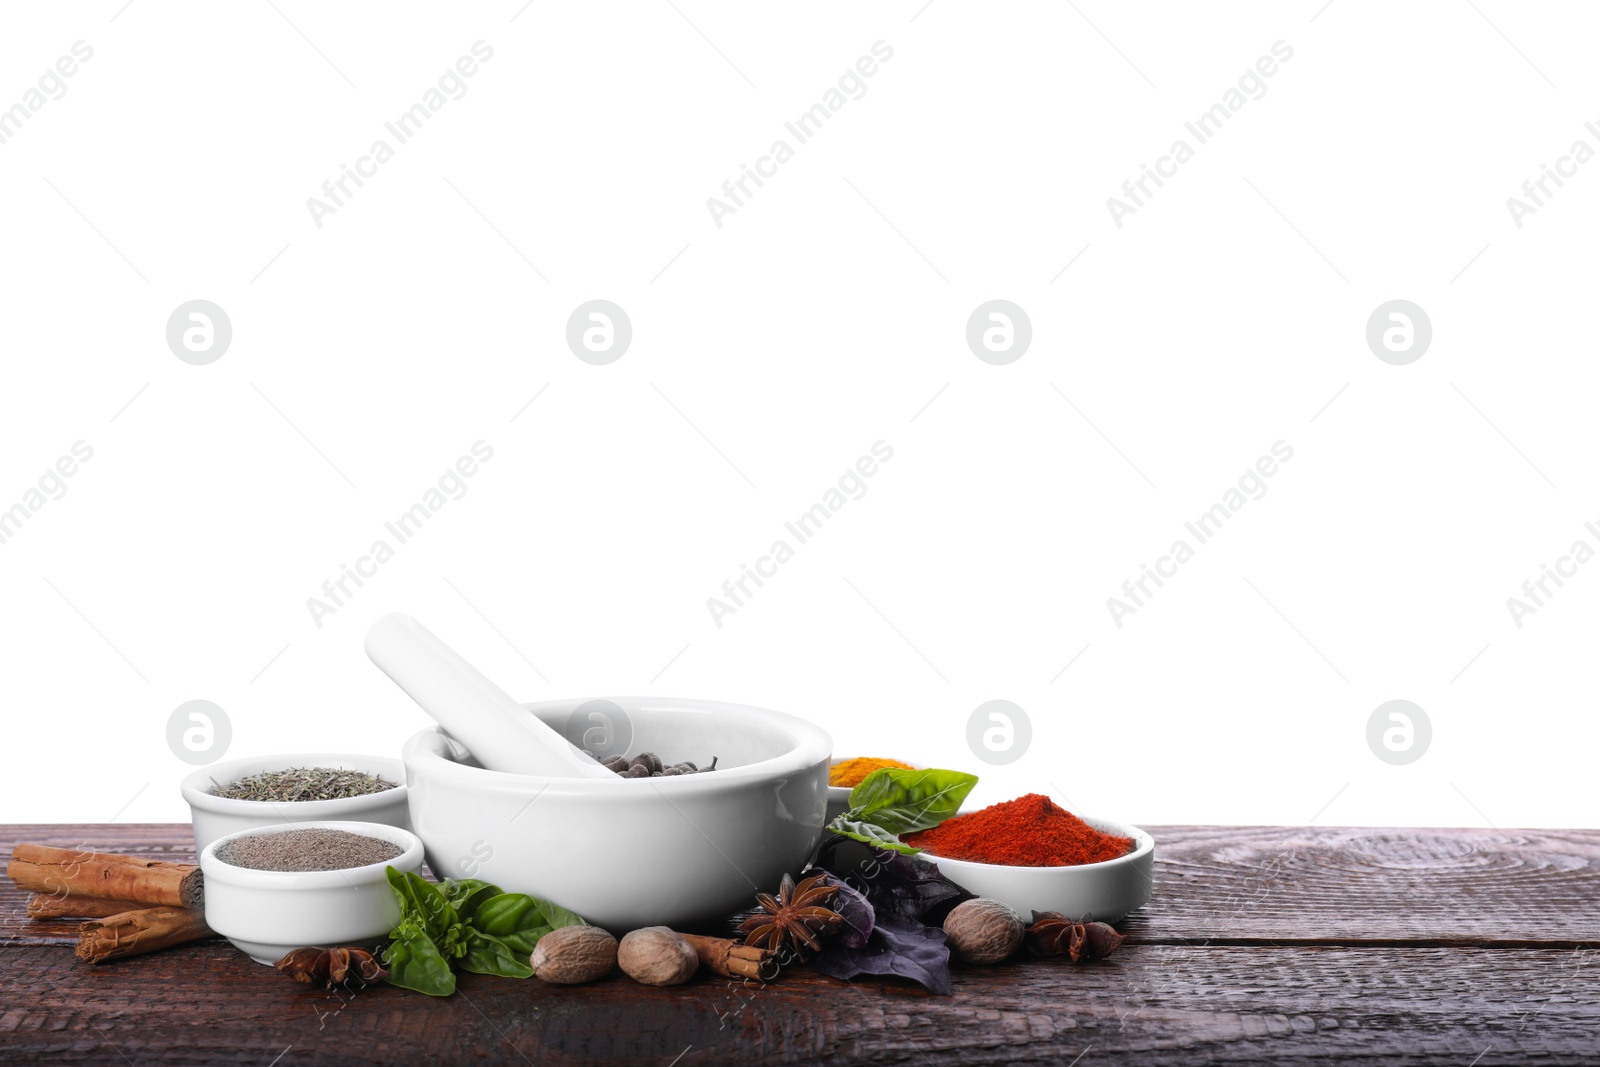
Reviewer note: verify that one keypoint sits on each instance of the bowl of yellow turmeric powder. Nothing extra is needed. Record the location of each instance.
(845, 774)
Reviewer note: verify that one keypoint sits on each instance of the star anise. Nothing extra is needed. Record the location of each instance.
(792, 920)
(1053, 934)
(332, 966)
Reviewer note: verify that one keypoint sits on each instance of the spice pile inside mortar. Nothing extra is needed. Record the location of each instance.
(649, 765)
(302, 783)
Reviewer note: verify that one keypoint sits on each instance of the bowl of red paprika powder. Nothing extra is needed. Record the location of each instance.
(1033, 855)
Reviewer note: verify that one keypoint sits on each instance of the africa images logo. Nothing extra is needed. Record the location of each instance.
(1203, 128)
(804, 127)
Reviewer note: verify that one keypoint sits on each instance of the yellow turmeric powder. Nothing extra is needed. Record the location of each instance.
(851, 772)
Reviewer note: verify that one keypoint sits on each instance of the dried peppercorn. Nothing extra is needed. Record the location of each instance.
(649, 765)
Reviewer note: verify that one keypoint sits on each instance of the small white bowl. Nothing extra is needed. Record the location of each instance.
(215, 816)
(268, 914)
(839, 795)
(1105, 891)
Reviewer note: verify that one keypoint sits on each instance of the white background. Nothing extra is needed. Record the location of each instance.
(826, 314)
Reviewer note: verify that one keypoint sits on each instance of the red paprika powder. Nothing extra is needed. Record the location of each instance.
(1030, 831)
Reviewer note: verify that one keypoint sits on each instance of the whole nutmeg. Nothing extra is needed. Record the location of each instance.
(657, 956)
(983, 931)
(573, 955)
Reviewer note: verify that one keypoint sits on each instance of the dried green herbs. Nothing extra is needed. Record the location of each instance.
(303, 783)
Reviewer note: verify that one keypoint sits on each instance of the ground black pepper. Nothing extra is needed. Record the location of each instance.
(312, 848)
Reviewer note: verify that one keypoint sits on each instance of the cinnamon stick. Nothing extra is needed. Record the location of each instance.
(50, 906)
(85, 873)
(733, 960)
(133, 932)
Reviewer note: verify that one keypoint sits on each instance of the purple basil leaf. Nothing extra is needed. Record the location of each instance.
(923, 891)
(855, 909)
(897, 885)
(897, 947)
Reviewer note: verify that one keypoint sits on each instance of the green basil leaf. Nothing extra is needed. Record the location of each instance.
(514, 919)
(467, 894)
(507, 913)
(409, 908)
(414, 963)
(422, 900)
(524, 941)
(868, 833)
(902, 801)
(557, 916)
(453, 945)
(520, 920)
(490, 955)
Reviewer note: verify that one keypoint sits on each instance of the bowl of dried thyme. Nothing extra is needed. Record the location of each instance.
(242, 794)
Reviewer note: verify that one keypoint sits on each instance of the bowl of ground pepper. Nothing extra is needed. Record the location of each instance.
(1034, 855)
(274, 889)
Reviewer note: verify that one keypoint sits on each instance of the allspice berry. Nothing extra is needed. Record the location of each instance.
(656, 955)
(983, 931)
(573, 955)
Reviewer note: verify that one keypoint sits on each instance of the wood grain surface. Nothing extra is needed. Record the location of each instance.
(1262, 945)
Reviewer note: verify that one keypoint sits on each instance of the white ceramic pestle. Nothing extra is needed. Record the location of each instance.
(500, 733)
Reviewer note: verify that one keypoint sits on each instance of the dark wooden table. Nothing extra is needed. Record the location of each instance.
(1262, 945)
